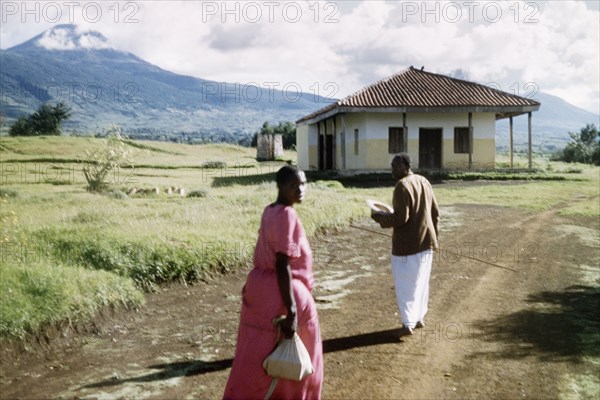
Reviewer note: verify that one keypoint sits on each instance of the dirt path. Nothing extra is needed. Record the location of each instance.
(491, 332)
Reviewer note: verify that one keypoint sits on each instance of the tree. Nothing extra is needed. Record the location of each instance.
(287, 130)
(584, 146)
(45, 121)
(288, 134)
(21, 127)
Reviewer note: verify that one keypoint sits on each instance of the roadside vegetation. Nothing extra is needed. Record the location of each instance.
(584, 147)
(178, 213)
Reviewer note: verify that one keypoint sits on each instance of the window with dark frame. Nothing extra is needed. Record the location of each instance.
(461, 140)
(356, 141)
(395, 140)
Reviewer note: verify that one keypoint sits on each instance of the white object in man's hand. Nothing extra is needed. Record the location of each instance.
(379, 207)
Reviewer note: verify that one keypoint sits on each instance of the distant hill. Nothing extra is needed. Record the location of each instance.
(104, 86)
(550, 125)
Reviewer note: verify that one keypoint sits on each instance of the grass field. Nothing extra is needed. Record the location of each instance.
(68, 253)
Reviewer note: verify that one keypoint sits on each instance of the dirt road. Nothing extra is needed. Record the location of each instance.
(529, 332)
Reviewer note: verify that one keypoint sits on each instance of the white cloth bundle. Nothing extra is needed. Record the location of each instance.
(289, 360)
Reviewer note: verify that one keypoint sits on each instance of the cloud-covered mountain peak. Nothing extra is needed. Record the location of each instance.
(72, 37)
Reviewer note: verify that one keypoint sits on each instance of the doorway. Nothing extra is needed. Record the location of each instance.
(430, 148)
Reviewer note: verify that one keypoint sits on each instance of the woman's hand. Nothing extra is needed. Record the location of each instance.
(289, 325)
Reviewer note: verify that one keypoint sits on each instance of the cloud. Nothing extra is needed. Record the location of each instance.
(351, 44)
(225, 39)
(66, 39)
(57, 39)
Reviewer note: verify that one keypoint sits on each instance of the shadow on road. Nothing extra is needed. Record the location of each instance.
(364, 340)
(558, 326)
(190, 368)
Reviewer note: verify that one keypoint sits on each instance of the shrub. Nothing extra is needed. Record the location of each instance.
(198, 193)
(60, 182)
(214, 164)
(117, 194)
(98, 164)
(584, 147)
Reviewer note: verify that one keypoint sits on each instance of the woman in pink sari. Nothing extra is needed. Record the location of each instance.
(280, 283)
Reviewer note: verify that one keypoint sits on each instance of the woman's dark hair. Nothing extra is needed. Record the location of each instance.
(286, 173)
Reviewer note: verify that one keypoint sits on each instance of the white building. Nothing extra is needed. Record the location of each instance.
(442, 122)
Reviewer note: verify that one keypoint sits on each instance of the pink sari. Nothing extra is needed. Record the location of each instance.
(280, 232)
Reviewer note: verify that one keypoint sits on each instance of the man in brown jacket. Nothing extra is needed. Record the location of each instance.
(415, 221)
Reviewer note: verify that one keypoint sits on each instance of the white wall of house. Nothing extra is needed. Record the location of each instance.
(302, 146)
(355, 157)
(373, 135)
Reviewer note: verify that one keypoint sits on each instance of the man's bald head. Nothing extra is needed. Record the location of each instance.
(402, 158)
(401, 166)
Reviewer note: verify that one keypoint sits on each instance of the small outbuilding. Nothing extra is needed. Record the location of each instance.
(269, 147)
(442, 122)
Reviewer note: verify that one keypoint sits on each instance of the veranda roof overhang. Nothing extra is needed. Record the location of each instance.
(334, 109)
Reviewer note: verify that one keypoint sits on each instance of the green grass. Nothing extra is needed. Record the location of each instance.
(571, 197)
(74, 252)
(158, 154)
(38, 295)
(578, 196)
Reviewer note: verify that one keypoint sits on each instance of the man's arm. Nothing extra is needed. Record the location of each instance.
(435, 215)
(401, 210)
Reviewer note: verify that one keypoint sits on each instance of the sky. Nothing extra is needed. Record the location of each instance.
(334, 48)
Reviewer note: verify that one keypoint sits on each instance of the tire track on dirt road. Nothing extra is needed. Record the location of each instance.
(453, 332)
(473, 354)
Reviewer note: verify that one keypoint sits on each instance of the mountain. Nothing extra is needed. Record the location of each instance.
(550, 125)
(104, 85)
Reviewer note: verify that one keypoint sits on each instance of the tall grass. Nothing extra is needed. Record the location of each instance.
(36, 295)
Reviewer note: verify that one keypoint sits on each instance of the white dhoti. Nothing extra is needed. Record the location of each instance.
(411, 278)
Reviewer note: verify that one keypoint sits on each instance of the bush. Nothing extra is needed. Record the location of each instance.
(117, 194)
(198, 193)
(99, 163)
(584, 147)
(214, 164)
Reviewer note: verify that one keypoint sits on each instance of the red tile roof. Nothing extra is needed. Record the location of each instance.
(418, 90)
